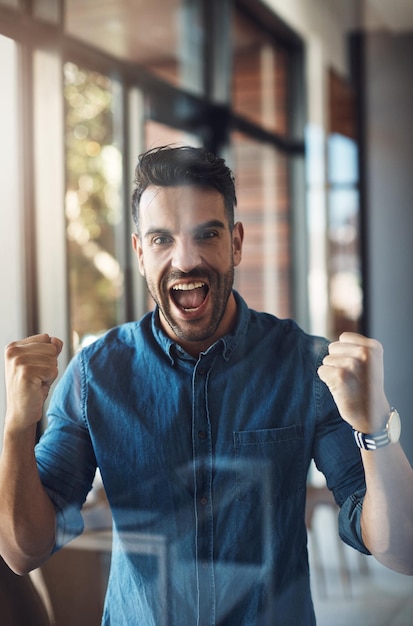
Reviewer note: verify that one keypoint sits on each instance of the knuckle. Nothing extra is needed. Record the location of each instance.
(11, 350)
(363, 354)
(344, 374)
(377, 347)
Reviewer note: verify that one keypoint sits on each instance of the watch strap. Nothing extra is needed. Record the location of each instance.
(371, 442)
(389, 434)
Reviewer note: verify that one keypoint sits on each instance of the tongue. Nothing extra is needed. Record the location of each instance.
(191, 299)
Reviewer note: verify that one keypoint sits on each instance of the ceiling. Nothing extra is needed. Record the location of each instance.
(395, 15)
(144, 32)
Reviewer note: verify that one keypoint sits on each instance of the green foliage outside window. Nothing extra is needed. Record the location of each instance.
(93, 203)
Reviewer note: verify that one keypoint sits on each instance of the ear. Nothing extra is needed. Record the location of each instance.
(137, 246)
(237, 239)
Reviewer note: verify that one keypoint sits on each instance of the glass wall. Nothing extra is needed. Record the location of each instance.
(116, 78)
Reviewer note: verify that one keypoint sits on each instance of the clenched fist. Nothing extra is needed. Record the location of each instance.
(31, 369)
(353, 371)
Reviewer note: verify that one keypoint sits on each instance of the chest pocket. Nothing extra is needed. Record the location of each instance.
(269, 464)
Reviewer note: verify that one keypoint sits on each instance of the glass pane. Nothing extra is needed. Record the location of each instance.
(47, 10)
(345, 258)
(259, 90)
(342, 160)
(165, 37)
(346, 295)
(263, 277)
(93, 203)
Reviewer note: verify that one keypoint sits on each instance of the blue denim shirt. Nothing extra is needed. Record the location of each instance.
(205, 463)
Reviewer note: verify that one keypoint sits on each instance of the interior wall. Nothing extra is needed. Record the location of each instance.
(325, 21)
(389, 113)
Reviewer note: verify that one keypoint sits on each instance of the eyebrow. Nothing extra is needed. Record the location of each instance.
(204, 226)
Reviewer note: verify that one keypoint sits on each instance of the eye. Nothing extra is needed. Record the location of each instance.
(161, 240)
(208, 234)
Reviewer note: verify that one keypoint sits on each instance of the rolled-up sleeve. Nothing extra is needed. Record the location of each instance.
(349, 521)
(64, 454)
(338, 458)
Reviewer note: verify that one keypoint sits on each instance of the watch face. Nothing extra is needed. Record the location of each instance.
(394, 426)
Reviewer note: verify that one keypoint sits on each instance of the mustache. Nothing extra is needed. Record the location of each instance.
(198, 274)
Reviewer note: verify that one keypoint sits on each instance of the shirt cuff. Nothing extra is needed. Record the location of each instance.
(69, 520)
(350, 521)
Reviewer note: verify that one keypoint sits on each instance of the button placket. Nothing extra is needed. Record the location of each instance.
(202, 458)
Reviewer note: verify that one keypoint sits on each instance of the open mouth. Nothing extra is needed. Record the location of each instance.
(189, 296)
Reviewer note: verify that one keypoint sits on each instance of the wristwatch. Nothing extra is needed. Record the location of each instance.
(389, 434)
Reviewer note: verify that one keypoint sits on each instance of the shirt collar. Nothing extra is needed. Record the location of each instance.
(226, 344)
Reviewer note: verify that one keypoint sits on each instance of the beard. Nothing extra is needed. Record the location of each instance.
(219, 290)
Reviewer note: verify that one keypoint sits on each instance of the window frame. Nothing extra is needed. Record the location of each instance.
(159, 101)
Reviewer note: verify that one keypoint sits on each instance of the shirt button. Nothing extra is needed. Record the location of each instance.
(202, 434)
(204, 501)
(201, 370)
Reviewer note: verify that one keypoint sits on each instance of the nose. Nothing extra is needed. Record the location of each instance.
(185, 255)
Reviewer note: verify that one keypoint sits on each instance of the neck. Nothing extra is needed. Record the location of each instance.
(195, 348)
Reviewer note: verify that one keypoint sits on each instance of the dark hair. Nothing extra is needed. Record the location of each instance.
(170, 166)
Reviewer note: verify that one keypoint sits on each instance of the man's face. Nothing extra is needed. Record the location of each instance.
(187, 255)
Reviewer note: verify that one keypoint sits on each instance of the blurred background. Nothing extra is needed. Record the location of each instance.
(308, 100)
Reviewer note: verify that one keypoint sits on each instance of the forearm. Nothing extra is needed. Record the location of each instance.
(387, 516)
(27, 516)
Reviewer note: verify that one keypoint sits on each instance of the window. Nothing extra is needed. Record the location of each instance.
(93, 202)
(260, 89)
(262, 189)
(345, 272)
(135, 75)
(265, 147)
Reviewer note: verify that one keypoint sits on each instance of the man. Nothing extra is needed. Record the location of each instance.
(203, 419)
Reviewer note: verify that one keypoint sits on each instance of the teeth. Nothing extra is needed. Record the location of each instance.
(187, 286)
